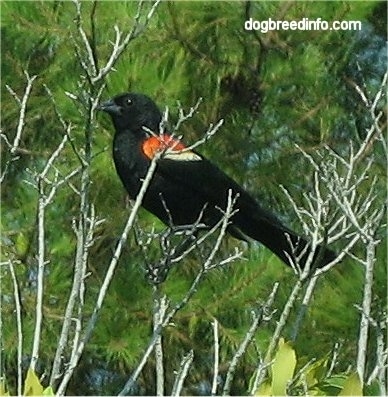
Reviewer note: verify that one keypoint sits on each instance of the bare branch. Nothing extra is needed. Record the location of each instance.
(85, 40)
(66, 127)
(40, 276)
(108, 277)
(160, 307)
(380, 370)
(334, 358)
(228, 213)
(208, 134)
(182, 373)
(131, 381)
(14, 147)
(366, 309)
(22, 113)
(183, 117)
(120, 44)
(371, 105)
(216, 357)
(207, 265)
(43, 201)
(13, 93)
(171, 150)
(257, 318)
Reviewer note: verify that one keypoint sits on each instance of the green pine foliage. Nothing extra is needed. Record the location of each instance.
(289, 87)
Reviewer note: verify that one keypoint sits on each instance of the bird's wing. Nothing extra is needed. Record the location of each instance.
(179, 165)
(211, 183)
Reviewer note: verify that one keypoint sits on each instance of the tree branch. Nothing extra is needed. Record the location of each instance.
(108, 277)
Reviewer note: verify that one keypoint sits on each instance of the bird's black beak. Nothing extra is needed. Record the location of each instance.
(110, 107)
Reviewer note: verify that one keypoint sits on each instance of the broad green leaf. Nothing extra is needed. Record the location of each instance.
(264, 389)
(336, 381)
(32, 385)
(333, 385)
(48, 391)
(283, 368)
(352, 386)
(315, 372)
(315, 391)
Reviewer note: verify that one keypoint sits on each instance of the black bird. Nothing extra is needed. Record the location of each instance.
(185, 183)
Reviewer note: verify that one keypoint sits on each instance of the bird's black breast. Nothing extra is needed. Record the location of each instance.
(169, 196)
(131, 165)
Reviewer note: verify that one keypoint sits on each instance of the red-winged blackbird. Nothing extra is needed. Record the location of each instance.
(186, 184)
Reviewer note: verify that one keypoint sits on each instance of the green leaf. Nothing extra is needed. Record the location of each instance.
(32, 385)
(283, 368)
(337, 381)
(373, 389)
(21, 244)
(333, 385)
(315, 372)
(352, 386)
(48, 391)
(264, 389)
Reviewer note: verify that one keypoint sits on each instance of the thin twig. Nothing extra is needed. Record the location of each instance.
(208, 134)
(183, 117)
(43, 201)
(160, 307)
(366, 310)
(334, 358)
(14, 147)
(216, 357)
(120, 44)
(108, 277)
(207, 265)
(182, 373)
(85, 40)
(257, 317)
(22, 113)
(40, 277)
(280, 324)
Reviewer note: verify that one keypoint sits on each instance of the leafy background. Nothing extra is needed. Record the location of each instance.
(274, 90)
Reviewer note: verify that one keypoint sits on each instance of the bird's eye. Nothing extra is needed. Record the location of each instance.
(128, 101)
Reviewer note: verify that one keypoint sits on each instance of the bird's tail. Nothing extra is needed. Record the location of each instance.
(292, 249)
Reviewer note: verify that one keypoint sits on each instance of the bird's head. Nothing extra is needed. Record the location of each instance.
(130, 111)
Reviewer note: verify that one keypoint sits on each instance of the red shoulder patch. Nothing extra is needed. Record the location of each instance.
(156, 144)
